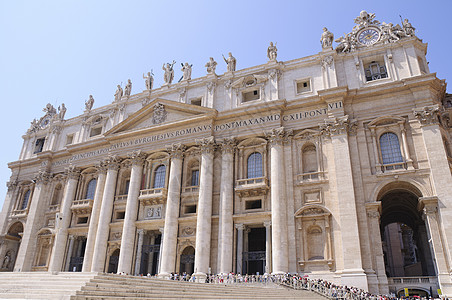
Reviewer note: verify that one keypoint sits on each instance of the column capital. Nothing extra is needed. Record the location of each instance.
(338, 126)
(141, 232)
(113, 162)
(42, 177)
(279, 135)
(207, 145)
(101, 167)
(71, 237)
(72, 172)
(267, 224)
(137, 157)
(429, 204)
(240, 226)
(176, 150)
(228, 145)
(162, 230)
(11, 185)
(428, 115)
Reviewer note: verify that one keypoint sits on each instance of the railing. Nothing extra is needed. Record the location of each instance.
(84, 202)
(412, 280)
(19, 212)
(393, 166)
(311, 176)
(191, 189)
(249, 181)
(152, 192)
(121, 198)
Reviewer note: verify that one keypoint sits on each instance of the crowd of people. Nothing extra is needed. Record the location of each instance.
(326, 288)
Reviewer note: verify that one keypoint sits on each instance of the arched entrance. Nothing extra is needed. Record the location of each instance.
(404, 234)
(113, 262)
(187, 260)
(11, 247)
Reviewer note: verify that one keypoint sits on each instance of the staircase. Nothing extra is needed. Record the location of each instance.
(78, 286)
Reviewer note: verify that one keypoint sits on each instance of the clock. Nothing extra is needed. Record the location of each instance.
(44, 122)
(368, 36)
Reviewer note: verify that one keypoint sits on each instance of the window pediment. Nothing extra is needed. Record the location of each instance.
(386, 120)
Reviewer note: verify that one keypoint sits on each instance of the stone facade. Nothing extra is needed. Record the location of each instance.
(335, 165)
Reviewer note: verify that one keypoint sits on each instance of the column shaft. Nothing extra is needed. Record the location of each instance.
(268, 247)
(69, 253)
(128, 229)
(94, 220)
(240, 228)
(62, 225)
(103, 229)
(139, 252)
(169, 239)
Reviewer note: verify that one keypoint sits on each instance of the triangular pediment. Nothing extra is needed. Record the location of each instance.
(161, 112)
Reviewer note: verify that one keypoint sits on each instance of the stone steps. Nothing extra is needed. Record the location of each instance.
(78, 286)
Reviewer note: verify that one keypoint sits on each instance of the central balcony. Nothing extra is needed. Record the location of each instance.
(251, 187)
(153, 196)
(82, 206)
(311, 178)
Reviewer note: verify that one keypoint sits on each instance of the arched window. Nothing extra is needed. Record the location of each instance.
(91, 189)
(57, 194)
(309, 159)
(159, 177)
(390, 148)
(25, 199)
(254, 165)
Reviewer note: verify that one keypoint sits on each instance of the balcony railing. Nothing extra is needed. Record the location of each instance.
(251, 186)
(311, 177)
(54, 208)
(153, 196)
(412, 280)
(82, 206)
(20, 212)
(394, 166)
(191, 189)
(120, 198)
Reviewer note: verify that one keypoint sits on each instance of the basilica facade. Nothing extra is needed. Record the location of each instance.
(335, 165)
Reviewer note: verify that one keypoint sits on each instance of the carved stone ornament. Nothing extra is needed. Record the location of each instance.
(176, 150)
(44, 121)
(338, 126)
(188, 231)
(160, 113)
(72, 172)
(273, 73)
(113, 162)
(249, 81)
(137, 157)
(207, 145)
(228, 145)
(11, 185)
(43, 177)
(211, 87)
(182, 93)
(278, 135)
(373, 214)
(368, 32)
(228, 84)
(312, 211)
(327, 62)
(145, 101)
(429, 115)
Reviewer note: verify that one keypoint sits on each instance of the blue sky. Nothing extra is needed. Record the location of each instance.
(62, 51)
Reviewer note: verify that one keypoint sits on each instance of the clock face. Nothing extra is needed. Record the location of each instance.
(368, 36)
(44, 122)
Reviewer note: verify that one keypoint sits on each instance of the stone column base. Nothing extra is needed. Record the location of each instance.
(200, 277)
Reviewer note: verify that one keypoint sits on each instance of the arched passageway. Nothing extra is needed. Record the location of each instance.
(187, 260)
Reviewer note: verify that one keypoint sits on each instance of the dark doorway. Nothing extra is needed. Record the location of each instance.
(254, 258)
(113, 263)
(77, 255)
(150, 257)
(404, 236)
(187, 261)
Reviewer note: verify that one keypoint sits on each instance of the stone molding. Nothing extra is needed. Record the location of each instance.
(73, 172)
(338, 126)
(42, 177)
(279, 135)
(207, 145)
(428, 115)
(137, 157)
(228, 145)
(11, 185)
(176, 150)
(430, 205)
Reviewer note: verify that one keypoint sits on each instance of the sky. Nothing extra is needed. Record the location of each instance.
(63, 51)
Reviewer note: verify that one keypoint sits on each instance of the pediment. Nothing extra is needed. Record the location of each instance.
(161, 112)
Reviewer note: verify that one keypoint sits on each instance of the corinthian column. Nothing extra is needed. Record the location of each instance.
(344, 191)
(7, 206)
(226, 229)
(128, 229)
(169, 244)
(34, 223)
(63, 220)
(94, 219)
(103, 228)
(204, 209)
(280, 248)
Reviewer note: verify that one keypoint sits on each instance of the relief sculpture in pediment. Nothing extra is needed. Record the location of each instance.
(159, 113)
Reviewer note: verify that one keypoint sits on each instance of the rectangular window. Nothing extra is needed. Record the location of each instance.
(95, 131)
(190, 209)
(39, 145)
(194, 177)
(253, 204)
(303, 86)
(196, 101)
(375, 70)
(126, 187)
(82, 220)
(120, 215)
(69, 139)
(250, 96)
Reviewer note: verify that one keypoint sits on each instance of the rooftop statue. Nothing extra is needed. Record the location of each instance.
(211, 65)
(186, 71)
(272, 52)
(149, 80)
(169, 72)
(61, 111)
(128, 88)
(118, 93)
(89, 103)
(231, 62)
(326, 39)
